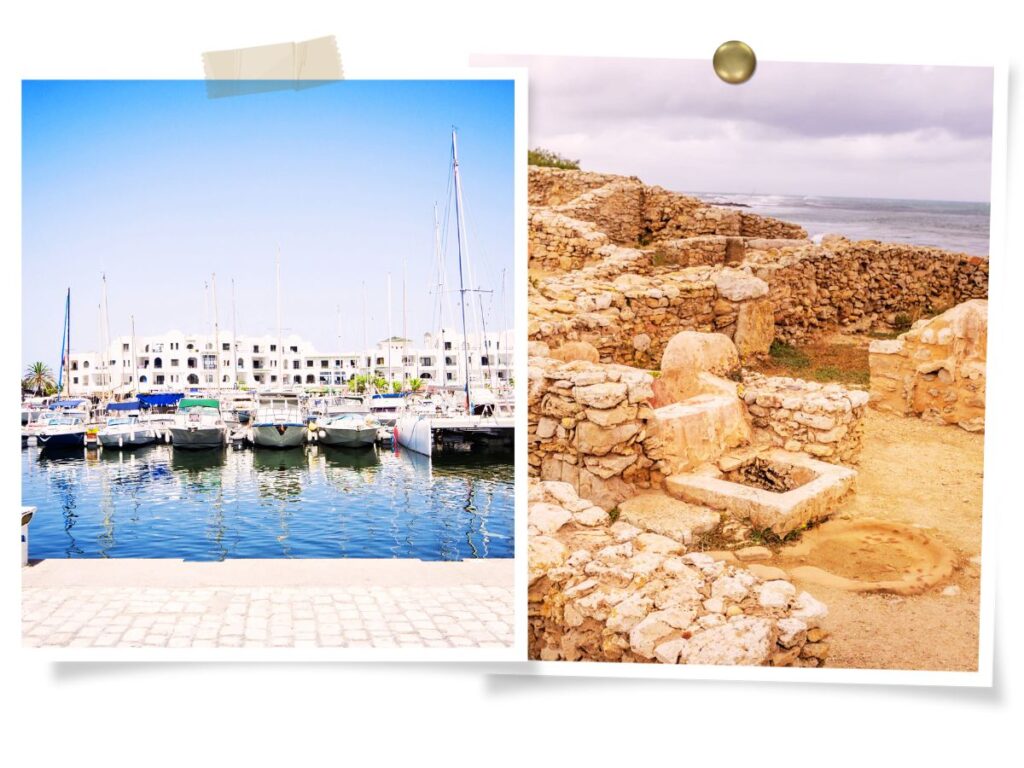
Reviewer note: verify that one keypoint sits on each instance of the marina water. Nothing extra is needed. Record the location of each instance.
(299, 503)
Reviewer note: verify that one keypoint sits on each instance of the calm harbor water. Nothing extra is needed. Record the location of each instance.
(310, 502)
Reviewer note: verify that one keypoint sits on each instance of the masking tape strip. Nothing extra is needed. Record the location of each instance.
(280, 66)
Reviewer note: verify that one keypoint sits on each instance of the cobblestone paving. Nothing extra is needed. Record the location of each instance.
(383, 617)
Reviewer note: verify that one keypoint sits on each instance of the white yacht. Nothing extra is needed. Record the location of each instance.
(348, 430)
(387, 407)
(198, 424)
(278, 422)
(125, 427)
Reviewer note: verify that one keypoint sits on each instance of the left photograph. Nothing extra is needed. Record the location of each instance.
(268, 366)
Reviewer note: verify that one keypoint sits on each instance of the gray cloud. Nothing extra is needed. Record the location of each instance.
(843, 129)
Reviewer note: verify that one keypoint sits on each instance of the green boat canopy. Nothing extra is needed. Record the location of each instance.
(198, 402)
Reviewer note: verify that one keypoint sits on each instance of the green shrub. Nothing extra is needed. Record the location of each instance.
(549, 159)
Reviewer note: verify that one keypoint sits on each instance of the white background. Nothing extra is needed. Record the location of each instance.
(360, 714)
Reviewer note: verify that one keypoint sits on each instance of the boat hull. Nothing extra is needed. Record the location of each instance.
(127, 440)
(278, 435)
(413, 432)
(348, 437)
(197, 439)
(61, 440)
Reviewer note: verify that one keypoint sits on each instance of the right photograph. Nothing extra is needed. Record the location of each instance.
(757, 360)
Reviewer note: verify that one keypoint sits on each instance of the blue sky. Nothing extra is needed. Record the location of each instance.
(159, 186)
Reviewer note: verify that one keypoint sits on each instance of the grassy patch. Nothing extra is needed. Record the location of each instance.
(788, 356)
(549, 159)
(614, 514)
(842, 363)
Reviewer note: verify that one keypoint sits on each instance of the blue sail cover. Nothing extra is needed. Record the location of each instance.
(65, 404)
(127, 405)
(160, 398)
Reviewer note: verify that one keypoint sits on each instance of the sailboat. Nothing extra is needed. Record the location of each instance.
(480, 424)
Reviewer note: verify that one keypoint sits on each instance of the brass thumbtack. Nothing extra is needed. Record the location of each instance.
(734, 62)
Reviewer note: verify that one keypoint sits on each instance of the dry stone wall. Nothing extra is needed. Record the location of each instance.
(629, 316)
(615, 592)
(589, 230)
(864, 285)
(825, 421)
(588, 426)
(937, 369)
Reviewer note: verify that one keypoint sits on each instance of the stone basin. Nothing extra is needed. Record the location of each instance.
(699, 429)
(776, 490)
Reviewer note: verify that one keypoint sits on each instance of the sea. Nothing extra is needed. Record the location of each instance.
(313, 501)
(954, 226)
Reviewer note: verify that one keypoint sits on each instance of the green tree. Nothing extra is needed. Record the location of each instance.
(415, 385)
(549, 159)
(39, 379)
(396, 387)
(380, 384)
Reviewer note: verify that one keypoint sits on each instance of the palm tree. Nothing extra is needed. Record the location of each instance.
(38, 379)
(415, 384)
(396, 387)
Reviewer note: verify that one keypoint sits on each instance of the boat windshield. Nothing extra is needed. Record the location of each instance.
(118, 420)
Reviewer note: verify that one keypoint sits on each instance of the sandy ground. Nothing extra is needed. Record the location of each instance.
(928, 476)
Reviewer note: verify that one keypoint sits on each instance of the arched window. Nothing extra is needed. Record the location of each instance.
(425, 375)
(193, 379)
(192, 362)
(310, 379)
(85, 363)
(143, 379)
(241, 363)
(158, 362)
(297, 380)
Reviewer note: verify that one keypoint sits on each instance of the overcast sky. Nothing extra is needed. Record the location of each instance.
(849, 130)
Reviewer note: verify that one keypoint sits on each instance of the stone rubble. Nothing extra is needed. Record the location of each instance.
(620, 593)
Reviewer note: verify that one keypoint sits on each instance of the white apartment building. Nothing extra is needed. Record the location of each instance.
(177, 361)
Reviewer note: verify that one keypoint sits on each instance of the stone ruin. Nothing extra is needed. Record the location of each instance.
(613, 432)
(636, 474)
(936, 370)
(624, 266)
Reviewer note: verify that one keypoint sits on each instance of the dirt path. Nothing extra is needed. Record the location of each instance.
(930, 477)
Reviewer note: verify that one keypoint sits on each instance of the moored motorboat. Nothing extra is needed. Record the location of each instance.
(63, 432)
(198, 424)
(348, 430)
(279, 422)
(124, 427)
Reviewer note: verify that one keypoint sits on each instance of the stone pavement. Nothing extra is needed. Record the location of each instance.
(380, 604)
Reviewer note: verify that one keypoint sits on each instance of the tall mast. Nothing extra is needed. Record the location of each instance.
(463, 247)
(405, 317)
(390, 338)
(106, 327)
(135, 358)
(104, 352)
(280, 349)
(234, 336)
(441, 295)
(65, 349)
(216, 326)
(365, 344)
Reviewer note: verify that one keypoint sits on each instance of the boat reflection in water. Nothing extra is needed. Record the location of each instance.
(313, 501)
